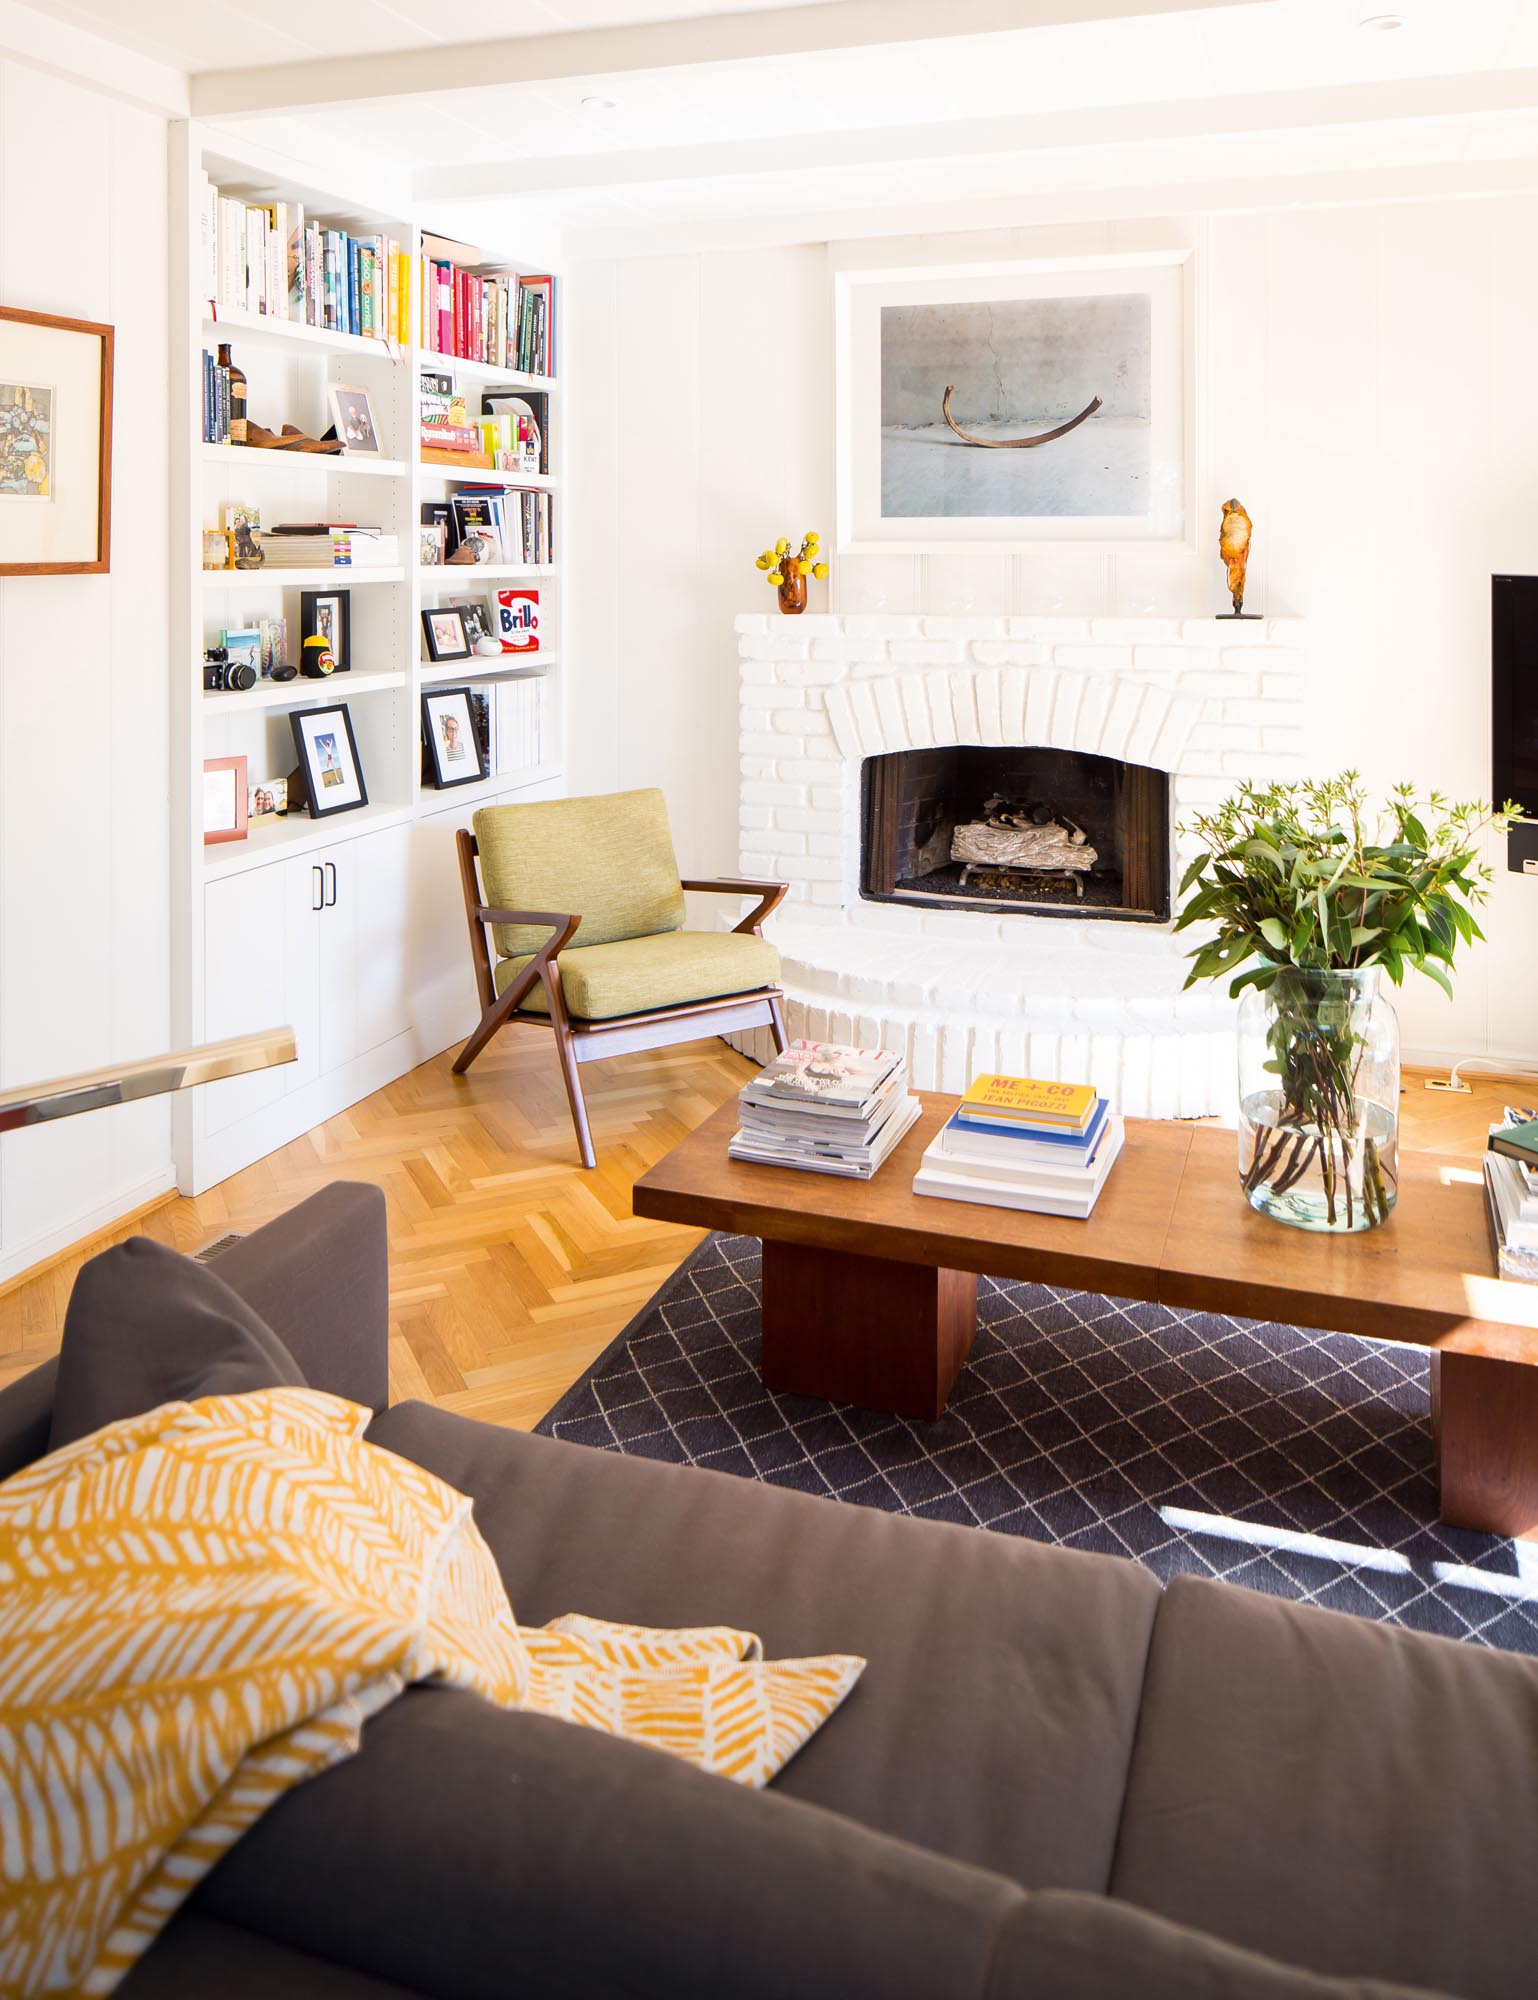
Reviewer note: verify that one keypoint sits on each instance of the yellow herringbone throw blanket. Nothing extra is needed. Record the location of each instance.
(200, 1607)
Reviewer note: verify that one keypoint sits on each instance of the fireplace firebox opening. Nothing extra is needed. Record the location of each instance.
(1058, 833)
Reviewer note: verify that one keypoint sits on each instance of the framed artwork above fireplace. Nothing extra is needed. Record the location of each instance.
(1009, 405)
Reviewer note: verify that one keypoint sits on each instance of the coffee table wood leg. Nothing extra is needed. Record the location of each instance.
(1485, 1413)
(864, 1330)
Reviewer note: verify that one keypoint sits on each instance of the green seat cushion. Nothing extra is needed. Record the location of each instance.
(634, 975)
(608, 860)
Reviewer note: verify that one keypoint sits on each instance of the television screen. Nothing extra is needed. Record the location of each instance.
(1514, 690)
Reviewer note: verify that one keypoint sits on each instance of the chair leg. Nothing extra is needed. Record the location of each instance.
(560, 1022)
(777, 1026)
(490, 1021)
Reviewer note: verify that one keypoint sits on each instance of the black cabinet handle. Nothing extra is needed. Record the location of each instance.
(332, 866)
(317, 888)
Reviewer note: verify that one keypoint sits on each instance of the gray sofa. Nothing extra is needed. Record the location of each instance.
(1054, 1782)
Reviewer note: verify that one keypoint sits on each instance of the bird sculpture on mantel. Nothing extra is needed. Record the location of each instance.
(1234, 548)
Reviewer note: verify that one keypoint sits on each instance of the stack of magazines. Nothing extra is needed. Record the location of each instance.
(1016, 1142)
(827, 1108)
(1511, 1194)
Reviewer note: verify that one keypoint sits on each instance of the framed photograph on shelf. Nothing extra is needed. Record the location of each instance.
(327, 614)
(479, 621)
(989, 407)
(225, 804)
(55, 445)
(353, 415)
(449, 733)
(268, 800)
(444, 628)
(329, 769)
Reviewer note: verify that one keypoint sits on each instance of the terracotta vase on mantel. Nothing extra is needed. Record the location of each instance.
(792, 592)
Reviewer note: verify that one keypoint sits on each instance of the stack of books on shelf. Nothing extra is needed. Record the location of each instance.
(514, 524)
(267, 258)
(1015, 1142)
(509, 722)
(504, 322)
(1511, 1194)
(825, 1108)
(329, 545)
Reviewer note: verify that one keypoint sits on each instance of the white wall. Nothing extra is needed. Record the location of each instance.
(1367, 391)
(84, 682)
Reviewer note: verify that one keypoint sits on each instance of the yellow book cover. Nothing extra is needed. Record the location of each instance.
(1030, 1101)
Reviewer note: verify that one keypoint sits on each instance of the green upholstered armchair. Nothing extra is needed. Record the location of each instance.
(634, 978)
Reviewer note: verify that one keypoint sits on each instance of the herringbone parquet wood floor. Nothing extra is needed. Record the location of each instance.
(510, 1267)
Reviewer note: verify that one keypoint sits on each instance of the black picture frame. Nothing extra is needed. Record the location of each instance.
(311, 622)
(436, 650)
(323, 798)
(480, 619)
(443, 768)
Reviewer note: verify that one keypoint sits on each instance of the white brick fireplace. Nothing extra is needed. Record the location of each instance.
(967, 990)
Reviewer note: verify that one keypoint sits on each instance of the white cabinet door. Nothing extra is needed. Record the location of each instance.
(335, 929)
(376, 883)
(258, 972)
(444, 1006)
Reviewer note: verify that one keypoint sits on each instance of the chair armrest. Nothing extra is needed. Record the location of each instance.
(558, 920)
(770, 895)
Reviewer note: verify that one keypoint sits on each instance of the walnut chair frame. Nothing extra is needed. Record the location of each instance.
(579, 1041)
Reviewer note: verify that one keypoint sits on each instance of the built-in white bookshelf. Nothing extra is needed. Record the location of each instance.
(347, 927)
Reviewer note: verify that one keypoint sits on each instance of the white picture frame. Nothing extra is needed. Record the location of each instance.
(1123, 476)
(352, 415)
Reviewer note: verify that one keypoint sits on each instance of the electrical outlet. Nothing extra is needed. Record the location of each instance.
(1449, 1083)
(1530, 866)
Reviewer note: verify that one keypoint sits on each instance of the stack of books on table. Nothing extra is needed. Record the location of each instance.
(826, 1108)
(1511, 1194)
(1014, 1142)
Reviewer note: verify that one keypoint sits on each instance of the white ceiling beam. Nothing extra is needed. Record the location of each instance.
(654, 45)
(1478, 93)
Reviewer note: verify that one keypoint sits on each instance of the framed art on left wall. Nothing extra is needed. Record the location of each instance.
(55, 445)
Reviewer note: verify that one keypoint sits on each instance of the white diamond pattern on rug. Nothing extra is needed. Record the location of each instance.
(1291, 1461)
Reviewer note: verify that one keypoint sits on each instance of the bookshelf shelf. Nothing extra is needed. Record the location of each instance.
(430, 673)
(312, 578)
(300, 693)
(253, 935)
(296, 835)
(472, 475)
(232, 325)
(240, 457)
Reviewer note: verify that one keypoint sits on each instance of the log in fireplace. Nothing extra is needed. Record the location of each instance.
(1054, 832)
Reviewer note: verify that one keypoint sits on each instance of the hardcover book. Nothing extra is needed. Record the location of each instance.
(1067, 1106)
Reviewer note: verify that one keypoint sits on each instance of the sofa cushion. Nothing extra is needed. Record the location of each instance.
(994, 1721)
(1074, 1947)
(475, 1854)
(1337, 1792)
(607, 859)
(195, 1956)
(147, 1326)
(600, 981)
(26, 1413)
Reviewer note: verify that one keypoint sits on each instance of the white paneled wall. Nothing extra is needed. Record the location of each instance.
(84, 682)
(1367, 390)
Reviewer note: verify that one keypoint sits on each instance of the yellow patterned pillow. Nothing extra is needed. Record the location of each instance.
(201, 1607)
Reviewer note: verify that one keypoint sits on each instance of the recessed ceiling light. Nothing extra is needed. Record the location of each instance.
(1384, 23)
(599, 104)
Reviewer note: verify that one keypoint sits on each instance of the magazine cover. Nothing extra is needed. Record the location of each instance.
(825, 1073)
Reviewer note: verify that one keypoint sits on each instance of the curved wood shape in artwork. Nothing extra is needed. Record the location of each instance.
(1016, 444)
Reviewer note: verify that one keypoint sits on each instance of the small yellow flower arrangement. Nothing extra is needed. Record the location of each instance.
(788, 573)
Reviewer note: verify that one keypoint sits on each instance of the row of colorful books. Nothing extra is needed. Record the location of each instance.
(268, 258)
(826, 1109)
(1511, 1193)
(1019, 1142)
(504, 322)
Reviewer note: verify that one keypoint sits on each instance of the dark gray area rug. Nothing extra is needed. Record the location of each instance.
(1289, 1461)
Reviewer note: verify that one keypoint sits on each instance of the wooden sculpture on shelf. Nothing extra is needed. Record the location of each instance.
(1234, 548)
(1015, 444)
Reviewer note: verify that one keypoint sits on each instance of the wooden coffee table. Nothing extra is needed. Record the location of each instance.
(869, 1291)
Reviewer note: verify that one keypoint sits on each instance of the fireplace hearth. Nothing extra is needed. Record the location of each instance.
(1045, 831)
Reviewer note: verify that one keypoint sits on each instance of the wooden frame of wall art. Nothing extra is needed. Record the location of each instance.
(995, 406)
(55, 445)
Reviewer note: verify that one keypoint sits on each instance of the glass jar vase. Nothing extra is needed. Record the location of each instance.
(1319, 1099)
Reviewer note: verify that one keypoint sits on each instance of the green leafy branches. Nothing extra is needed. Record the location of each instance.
(1310, 875)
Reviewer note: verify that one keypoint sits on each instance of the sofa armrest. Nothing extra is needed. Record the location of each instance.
(26, 1415)
(319, 1276)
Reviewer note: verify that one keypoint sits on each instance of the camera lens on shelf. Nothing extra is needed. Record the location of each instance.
(239, 675)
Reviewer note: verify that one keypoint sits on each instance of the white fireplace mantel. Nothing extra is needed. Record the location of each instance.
(1210, 701)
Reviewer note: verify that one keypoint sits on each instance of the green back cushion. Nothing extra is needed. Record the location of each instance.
(607, 859)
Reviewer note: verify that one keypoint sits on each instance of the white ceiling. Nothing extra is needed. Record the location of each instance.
(1274, 87)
